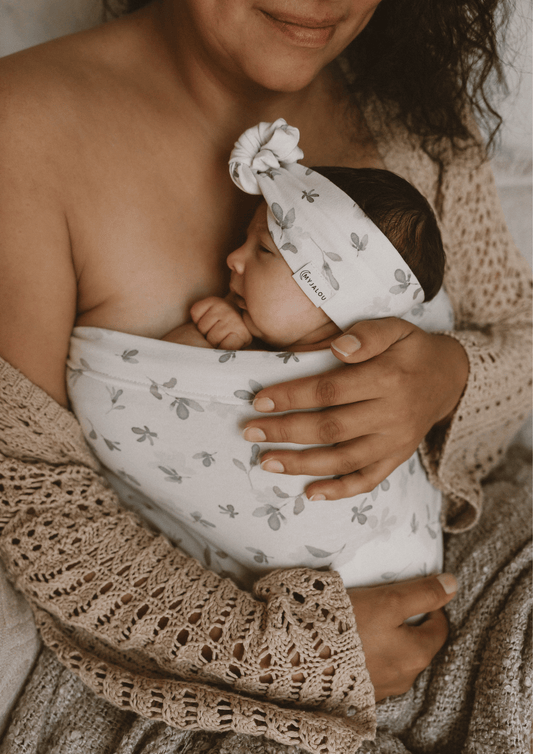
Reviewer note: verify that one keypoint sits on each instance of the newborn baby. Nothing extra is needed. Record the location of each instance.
(266, 306)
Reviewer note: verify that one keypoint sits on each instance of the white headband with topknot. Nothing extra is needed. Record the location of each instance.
(339, 257)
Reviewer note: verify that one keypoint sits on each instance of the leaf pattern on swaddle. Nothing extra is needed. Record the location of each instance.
(248, 395)
(115, 394)
(171, 475)
(206, 458)
(129, 356)
(177, 452)
(360, 512)
(259, 555)
(76, 372)
(287, 355)
(144, 433)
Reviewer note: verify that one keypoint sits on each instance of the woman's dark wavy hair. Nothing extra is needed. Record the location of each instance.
(429, 61)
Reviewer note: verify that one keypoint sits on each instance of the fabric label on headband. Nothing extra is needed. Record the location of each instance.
(314, 284)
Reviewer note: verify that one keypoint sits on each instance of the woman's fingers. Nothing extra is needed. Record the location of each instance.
(367, 339)
(358, 483)
(357, 475)
(398, 395)
(423, 595)
(334, 425)
(334, 388)
(344, 385)
(396, 653)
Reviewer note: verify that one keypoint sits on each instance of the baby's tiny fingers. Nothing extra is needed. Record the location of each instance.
(234, 342)
(202, 307)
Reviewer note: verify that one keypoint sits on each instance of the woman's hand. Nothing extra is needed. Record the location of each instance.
(395, 652)
(398, 382)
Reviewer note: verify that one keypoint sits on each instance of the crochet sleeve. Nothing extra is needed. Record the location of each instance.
(149, 628)
(489, 282)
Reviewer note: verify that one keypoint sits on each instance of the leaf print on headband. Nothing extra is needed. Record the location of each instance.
(326, 269)
(359, 245)
(403, 280)
(290, 247)
(270, 173)
(284, 222)
(310, 195)
(227, 356)
(331, 278)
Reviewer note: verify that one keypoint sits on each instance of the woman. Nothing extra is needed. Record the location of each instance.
(117, 214)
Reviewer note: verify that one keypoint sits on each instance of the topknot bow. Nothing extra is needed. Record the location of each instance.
(339, 257)
(263, 149)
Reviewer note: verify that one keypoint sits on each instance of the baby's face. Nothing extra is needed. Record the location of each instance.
(274, 309)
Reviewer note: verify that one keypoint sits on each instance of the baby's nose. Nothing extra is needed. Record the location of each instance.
(235, 261)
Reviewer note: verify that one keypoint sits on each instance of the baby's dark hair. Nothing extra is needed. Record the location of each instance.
(402, 214)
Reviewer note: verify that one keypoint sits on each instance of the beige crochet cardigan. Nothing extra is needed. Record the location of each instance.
(150, 630)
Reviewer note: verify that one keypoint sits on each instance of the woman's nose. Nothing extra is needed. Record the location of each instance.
(235, 260)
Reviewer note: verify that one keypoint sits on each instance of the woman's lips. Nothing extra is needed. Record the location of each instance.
(302, 32)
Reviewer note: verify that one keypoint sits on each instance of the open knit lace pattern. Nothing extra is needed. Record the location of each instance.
(149, 629)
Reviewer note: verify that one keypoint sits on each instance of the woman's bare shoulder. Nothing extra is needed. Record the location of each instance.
(60, 79)
(47, 95)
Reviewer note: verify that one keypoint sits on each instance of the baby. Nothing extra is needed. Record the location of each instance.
(266, 306)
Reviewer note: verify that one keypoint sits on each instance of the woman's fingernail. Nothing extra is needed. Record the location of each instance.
(448, 581)
(316, 497)
(263, 404)
(272, 465)
(346, 344)
(254, 434)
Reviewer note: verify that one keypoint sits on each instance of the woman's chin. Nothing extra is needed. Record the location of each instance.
(284, 77)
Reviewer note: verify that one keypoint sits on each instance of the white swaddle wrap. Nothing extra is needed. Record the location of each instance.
(165, 420)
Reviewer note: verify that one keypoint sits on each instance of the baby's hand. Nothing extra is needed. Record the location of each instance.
(221, 324)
